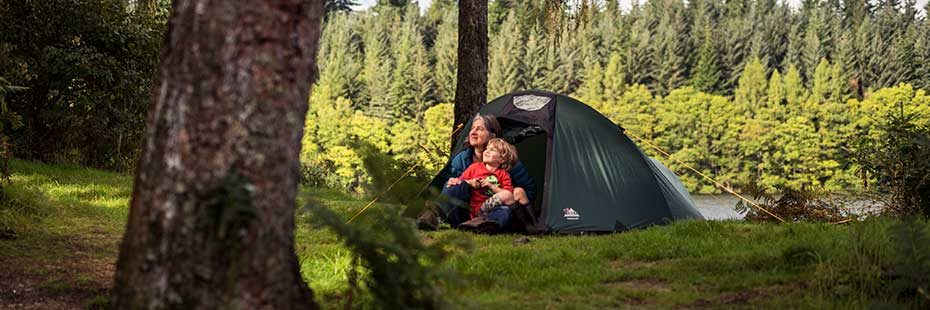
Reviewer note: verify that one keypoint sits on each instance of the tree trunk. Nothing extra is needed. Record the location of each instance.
(471, 90)
(212, 215)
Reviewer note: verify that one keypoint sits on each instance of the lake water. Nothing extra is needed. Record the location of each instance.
(721, 207)
(717, 207)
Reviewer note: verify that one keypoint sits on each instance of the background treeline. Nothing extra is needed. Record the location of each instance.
(87, 67)
(755, 93)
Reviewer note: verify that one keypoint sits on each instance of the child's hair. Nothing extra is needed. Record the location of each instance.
(508, 152)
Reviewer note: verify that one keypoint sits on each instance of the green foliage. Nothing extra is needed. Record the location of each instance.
(333, 6)
(338, 51)
(88, 66)
(692, 131)
(750, 94)
(670, 48)
(706, 75)
(446, 50)
(534, 61)
(400, 270)
(912, 263)
(894, 153)
(9, 120)
(504, 70)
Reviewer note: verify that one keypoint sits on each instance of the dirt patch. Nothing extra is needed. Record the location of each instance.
(743, 297)
(58, 272)
(636, 264)
(643, 284)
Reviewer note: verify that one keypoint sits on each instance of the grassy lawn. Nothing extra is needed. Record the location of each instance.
(61, 228)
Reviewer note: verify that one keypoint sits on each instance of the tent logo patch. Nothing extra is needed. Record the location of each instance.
(570, 214)
(530, 102)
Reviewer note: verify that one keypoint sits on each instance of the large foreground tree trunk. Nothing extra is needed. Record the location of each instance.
(212, 214)
(471, 89)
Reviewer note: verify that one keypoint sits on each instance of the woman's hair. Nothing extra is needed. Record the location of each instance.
(491, 123)
(508, 152)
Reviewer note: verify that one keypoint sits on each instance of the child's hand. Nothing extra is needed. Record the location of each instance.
(474, 183)
(485, 184)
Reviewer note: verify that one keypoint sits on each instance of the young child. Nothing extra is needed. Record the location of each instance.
(489, 179)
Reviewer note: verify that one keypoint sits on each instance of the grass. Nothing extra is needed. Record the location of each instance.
(68, 222)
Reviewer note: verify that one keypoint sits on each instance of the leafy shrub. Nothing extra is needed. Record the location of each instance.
(895, 159)
(399, 269)
(911, 272)
(89, 67)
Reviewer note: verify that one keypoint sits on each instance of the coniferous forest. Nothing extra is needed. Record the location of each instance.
(755, 93)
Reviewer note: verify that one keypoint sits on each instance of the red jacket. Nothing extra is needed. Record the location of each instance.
(479, 195)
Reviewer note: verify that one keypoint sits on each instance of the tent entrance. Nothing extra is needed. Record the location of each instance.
(531, 142)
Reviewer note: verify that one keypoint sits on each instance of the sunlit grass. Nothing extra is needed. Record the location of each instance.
(720, 264)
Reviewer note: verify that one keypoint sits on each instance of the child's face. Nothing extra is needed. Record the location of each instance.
(491, 157)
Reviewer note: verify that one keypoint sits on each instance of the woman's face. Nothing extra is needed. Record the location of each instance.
(479, 134)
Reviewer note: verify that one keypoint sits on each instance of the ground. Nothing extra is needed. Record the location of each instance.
(61, 227)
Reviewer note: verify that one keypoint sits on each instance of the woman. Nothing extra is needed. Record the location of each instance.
(483, 129)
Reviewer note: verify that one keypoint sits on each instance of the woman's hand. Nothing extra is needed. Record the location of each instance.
(453, 182)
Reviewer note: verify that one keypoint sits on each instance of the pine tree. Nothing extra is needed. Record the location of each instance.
(922, 57)
(849, 61)
(820, 81)
(795, 45)
(612, 30)
(424, 93)
(669, 49)
(839, 90)
(706, 74)
(378, 64)
(641, 64)
(497, 14)
(565, 76)
(813, 51)
(735, 33)
(856, 11)
(471, 83)
(795, 94)
(591, 90)
(589, 43)
(338, 56)
(445, 50)
(904, 57)
(403, 87)
(534, 61)
(504, 67)
(863, 47)
(769, 32)
(776, 98)
(885, 47)
(614, 78)
(750, 94)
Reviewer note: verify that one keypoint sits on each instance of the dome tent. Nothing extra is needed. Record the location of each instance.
(589, 176)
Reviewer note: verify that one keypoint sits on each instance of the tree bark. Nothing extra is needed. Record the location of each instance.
(211, 223)
(471, 87)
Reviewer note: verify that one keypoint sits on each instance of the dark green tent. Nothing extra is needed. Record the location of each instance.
(590, 177)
